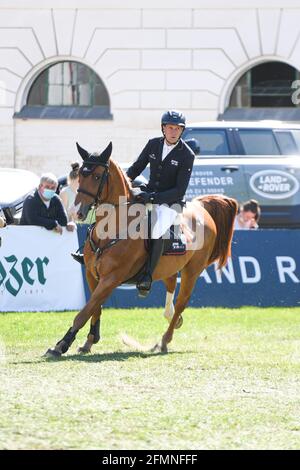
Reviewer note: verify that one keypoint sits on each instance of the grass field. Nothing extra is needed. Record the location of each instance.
(230, 381)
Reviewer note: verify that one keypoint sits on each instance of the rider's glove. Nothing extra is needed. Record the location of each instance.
(145, 197)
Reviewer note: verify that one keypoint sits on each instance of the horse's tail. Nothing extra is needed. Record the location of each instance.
(223, 211)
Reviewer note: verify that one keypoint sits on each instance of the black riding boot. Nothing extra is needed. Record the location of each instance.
(144, 285)
(78, 257)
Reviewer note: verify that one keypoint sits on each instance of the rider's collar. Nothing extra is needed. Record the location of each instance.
(171, 145)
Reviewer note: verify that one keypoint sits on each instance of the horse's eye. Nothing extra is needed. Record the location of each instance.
(97, 177)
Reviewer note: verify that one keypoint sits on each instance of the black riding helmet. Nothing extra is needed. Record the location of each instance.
(173, 117)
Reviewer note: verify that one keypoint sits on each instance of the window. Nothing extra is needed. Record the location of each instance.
(296, 135)
(67, 90)
(212, 142)
(258, 142)
(286, 142)
(267, 85)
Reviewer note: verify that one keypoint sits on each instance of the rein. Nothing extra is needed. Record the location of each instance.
(96, 201)
(97, 249)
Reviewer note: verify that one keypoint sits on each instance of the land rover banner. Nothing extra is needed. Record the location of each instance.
(37, 271)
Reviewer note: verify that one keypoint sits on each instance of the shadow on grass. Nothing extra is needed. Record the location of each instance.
(113, 356)
(118, 356)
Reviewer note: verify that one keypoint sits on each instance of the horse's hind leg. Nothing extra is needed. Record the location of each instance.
(189, 277)
(94, 333)
(170, 284)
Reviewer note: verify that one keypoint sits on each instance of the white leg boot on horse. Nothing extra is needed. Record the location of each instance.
(189, 276)
(169, 305)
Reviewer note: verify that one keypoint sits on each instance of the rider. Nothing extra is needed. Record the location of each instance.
(171, 162)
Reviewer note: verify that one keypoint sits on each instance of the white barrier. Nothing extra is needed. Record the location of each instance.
(37, 272)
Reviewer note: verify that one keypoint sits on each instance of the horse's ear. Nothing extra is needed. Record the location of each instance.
(83, 153)
(106, 153)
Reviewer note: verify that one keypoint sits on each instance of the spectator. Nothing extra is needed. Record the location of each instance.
(68, 193)
(248, 216)
(44, 208)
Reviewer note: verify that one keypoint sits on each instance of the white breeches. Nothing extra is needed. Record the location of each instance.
(165, 218)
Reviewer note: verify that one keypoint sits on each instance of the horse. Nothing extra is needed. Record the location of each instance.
(111, 261)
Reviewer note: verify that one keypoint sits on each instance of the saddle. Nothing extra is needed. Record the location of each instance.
(174, 242)
(174, 238)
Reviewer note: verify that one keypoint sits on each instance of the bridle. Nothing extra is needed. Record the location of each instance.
(103, 181)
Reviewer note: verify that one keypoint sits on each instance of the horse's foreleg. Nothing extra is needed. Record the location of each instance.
(64, 344)
(100, 294)
(93, 335)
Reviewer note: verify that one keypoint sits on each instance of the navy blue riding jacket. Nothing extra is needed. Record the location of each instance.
(35, 212)
(169, 178)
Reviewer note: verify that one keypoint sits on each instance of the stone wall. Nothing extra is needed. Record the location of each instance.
(186, 55)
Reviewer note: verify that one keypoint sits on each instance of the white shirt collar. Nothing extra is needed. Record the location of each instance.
(167, 149)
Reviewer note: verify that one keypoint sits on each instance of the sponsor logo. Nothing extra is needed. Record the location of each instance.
(174, 162)
(15, 273)
(274, 184)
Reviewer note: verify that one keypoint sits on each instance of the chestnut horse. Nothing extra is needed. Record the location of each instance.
(110, 262)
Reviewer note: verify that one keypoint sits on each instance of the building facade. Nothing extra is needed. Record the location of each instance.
(98, 70)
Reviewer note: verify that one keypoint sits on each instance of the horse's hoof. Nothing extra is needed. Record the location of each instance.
(179, 323)
(160, 348)
(83, 350)
(156, 348)
(52, 353)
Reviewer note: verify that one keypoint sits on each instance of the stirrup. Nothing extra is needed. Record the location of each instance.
(78, 257)
(143, 293)
(144, 286)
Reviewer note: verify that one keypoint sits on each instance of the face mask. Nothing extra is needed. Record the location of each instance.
(48, 193)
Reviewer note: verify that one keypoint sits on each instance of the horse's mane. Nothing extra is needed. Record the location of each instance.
(223, 210)
(123, 176)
